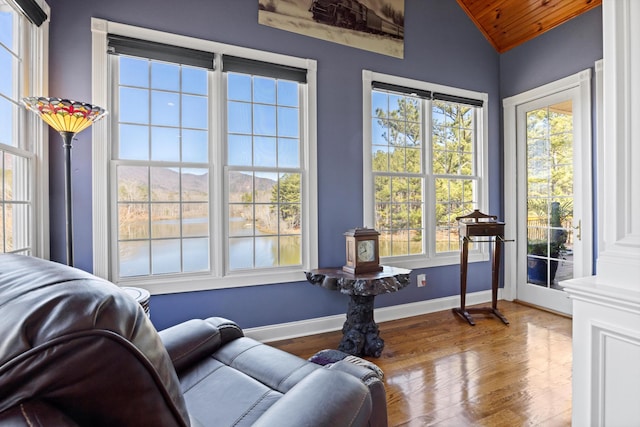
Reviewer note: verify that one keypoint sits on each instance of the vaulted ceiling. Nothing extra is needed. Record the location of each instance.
(509, 23)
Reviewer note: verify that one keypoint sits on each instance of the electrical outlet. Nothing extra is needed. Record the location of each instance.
(422, 280)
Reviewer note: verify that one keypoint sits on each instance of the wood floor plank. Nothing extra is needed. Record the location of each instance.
(440, 371)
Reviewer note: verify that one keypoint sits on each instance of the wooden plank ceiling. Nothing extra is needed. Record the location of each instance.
(509, 23)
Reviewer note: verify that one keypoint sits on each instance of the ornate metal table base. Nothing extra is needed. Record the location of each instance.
(360, 334)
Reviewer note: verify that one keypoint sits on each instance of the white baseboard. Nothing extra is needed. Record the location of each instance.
(320, 325)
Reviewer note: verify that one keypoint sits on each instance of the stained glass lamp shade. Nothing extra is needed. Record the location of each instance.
(68, 118)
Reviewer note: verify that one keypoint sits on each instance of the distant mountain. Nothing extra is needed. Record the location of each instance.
(241, 183)
(165, 180)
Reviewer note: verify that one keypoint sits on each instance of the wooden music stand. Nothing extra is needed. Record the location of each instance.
(477, 224)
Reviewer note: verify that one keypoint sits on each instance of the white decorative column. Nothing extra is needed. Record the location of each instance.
(606, 307)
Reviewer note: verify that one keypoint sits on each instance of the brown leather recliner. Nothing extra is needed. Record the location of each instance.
(76, 350)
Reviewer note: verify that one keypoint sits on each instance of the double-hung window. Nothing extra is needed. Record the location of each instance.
(424, 166)
(212, 180)
(23, 170)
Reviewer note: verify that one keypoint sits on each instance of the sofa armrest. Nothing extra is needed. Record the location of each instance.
(323, 398)
(189, 342)
(229, 330)
(35, 414)
(372, 380)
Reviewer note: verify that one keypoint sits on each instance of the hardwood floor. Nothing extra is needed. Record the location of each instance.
(440, 371)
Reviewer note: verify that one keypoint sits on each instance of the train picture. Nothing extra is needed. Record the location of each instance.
(374, 25)
(355, 15)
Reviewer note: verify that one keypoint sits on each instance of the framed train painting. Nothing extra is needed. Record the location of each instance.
(373, 25)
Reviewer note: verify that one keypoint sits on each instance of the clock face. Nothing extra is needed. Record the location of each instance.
(366, 251)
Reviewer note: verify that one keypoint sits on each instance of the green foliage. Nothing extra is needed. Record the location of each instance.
(399, 199)
(286, 197)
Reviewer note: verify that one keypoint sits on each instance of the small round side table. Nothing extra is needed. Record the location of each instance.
(142, 296)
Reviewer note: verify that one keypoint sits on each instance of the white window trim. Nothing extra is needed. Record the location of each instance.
(102, 158)
(37, 131)
(581, 81)
(430, 258)
(40, 131)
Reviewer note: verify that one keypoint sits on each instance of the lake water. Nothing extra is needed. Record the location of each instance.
(144, 257)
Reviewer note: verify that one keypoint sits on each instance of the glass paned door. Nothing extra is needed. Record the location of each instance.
(553, 198)
(550, 235)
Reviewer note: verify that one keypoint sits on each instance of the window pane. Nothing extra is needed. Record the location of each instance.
(17, 217)
(134, 258)
(265, 151)
(16, 178)
(290, 253)
(379, 103)
(8, 115)
(7, 66)
(239, 117)
(195, 146)
(133, 221)
(266, 189)
(195, 254)
(241, 221)
(288, 153)
(264, 120)
(454, 198)
(6, 27)
(134, 72)
(241, 187)
(240, 253)
(380, 158)
(134, 105)
(194, 80)
(239, 150)
(239, 87)
(195, 185)
(288, 93)
(264, 90)
(165, 108)
(165, 256)
(133, 183)
(165, 220)
(195, 112)
(195, 219)
(165, 184)
(134, 142)
(266, 251)
(165, 76)
(378, 132)
(288, 122)
(165, 144)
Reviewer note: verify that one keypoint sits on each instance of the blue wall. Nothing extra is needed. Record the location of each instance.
(570, 48)
(561, 52)
(441, 46)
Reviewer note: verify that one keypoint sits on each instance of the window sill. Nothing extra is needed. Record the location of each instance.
(171, 284)
(414, 263)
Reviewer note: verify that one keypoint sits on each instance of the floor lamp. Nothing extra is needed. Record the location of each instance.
(68, 118)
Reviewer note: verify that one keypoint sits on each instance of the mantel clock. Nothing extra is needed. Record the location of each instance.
(362, 251)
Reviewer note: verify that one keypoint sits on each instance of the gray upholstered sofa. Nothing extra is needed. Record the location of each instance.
(77, 350)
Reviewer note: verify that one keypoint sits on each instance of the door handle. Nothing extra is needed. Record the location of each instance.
(579, 228)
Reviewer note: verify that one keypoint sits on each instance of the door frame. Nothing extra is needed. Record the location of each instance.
(582, 151)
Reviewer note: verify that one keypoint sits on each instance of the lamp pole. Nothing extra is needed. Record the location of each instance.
(67, 137)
